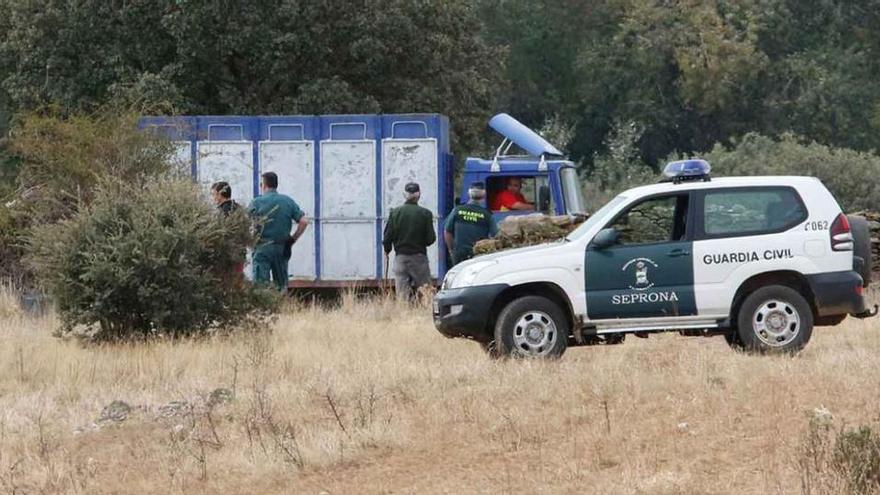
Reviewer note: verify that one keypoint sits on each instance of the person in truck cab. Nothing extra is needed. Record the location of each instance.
(467, 224)
(511, 198)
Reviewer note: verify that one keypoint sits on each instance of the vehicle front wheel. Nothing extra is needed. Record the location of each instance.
(531, 327)
(775, 318)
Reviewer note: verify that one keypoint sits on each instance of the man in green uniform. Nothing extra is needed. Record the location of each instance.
(467, 224)
(409, 231)
(276, 212)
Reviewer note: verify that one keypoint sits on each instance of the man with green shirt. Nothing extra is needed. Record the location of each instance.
(467, 224)
(276, 214)
(409, 231)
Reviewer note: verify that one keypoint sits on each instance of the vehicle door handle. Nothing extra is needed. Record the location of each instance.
(675, 253)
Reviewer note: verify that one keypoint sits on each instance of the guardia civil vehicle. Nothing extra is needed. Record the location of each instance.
(759, 260)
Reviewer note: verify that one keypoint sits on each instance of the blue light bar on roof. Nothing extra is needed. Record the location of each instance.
(687, 168)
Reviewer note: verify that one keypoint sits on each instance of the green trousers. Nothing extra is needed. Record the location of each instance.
(269, 260)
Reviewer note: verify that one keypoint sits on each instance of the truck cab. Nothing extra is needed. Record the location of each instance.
(549, 181)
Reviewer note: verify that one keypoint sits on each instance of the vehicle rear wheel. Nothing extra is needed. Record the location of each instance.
(776, 319)
(531, 327)
(861, 233)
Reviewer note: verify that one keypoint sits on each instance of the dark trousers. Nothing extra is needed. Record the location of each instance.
(411, 271)
(269, 261)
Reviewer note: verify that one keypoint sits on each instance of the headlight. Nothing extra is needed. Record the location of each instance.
(447, 280)
(466, 276)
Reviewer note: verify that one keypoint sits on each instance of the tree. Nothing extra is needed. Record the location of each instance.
(693, 73)
(269, 56)
(852, 176)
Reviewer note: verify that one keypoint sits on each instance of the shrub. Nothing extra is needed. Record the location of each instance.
(852, 176)
(148, 260)
(58, 160)
(857, 457)
(839, 460)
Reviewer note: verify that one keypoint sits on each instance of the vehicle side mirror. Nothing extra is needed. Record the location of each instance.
(606, 238)
(544, 198)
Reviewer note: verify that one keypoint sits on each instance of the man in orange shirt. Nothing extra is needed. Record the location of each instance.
(510, 198)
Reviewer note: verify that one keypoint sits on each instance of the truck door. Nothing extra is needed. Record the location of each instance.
(648, 272)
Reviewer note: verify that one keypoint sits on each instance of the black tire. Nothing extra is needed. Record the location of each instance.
(532, 327)
(774, 319)
(490, 349)
(861, 233)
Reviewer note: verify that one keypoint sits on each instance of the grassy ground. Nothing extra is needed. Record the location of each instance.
(368, 398)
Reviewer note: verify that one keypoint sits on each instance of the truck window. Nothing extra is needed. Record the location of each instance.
(751, 211)
(495, 185)
(572, 192)
(660, 219)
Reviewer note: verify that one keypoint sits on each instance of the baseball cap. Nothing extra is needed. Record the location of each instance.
(411, 188)
(478, 185)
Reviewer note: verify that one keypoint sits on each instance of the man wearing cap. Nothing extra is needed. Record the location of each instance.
(467, 224)
(409, 231)
(276, 212)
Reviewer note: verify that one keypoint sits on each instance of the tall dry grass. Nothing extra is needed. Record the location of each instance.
(368, 398)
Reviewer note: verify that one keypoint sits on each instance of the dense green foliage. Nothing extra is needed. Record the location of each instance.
(690, 74)
(273, 56)
(59, 161)
(682, 75)
(853, 177)
(153, 260)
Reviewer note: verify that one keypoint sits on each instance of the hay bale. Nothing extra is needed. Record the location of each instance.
(486, 246)
(528, 230)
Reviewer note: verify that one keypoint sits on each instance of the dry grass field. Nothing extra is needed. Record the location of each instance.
(368, 398)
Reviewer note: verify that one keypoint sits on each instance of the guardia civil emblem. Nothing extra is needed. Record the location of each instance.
(640, 270)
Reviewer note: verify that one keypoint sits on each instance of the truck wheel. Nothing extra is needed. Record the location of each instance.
(775, 318)
(531, 326)
(861, 234)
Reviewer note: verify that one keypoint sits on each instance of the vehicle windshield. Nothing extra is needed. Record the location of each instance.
(571, 191)
(595, 218)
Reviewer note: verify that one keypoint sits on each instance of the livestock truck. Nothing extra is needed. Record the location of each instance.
(348, 171)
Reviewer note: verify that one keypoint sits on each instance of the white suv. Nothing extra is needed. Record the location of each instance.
(760, 260)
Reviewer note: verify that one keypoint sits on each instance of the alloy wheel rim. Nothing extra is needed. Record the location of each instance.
(534, 334)
(776, 323)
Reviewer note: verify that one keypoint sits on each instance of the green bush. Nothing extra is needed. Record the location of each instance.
(52, 164)
(852, 176)
(148, 260)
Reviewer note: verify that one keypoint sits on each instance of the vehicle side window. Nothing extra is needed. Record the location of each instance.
(661, 219)
(751, 211)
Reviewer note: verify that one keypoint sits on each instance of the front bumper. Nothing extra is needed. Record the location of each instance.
(465, 312)
(837, 293)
